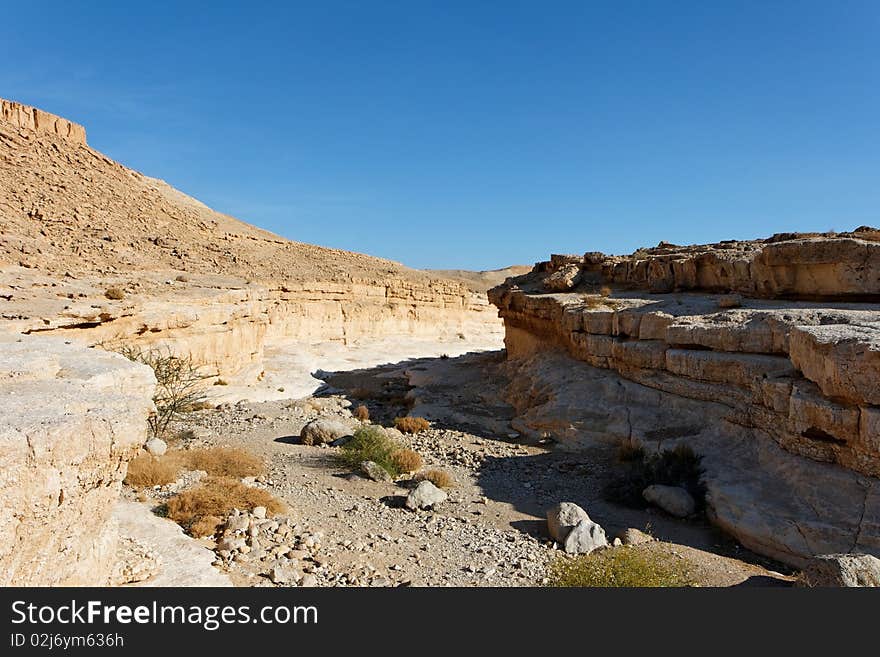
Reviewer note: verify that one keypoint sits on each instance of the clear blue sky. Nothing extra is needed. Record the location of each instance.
(477, 134)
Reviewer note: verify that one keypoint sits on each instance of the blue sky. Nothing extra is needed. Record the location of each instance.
(477, 134)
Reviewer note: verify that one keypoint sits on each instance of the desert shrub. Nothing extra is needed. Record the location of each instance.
(180, 385)
(407, 460)
(115, 293)
(222, 461)
(205, 526)
(629, 451)
(620, 567)
(676, 467)
(440, 478)
(362, 413)
(411, 424)
(182, 278)
(221, 382)
(370, 443)
(217, 496)
(146, 470)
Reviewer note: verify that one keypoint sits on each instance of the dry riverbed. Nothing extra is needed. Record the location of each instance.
(342, 529)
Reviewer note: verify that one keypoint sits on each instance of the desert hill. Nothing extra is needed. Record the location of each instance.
(65, 207)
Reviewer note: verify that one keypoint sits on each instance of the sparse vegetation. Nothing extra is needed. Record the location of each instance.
(221, 382)
(362, 413)
(182, 278)
(629, 451)
(620, 567)
(180, 385)
(146, 471)
(217, 497)
(605, 291)
(205, 526)
(406, 460)
(222, 461)
(114, 293)
(411, 424)
(676, 467)
(440, 478)
(371, 443)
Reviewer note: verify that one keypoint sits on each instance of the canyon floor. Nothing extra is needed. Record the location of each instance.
(353, 531)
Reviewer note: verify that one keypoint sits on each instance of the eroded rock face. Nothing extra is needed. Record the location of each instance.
(779, 396)
(72, 419)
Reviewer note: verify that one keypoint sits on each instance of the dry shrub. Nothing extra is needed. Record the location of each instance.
(605, 291)
(222, 461)
(221, 382)
(182, 278)
(407, 460)
(440, 478)
(114, 293)
(218, 496)
(146, 470)
(205, 526)
(362, 413)
(411, 424)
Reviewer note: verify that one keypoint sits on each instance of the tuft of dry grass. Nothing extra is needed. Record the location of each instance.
(362, 413)
(114, 293)
(440, 478)
(205, 526)
(146, 470)
(217, 497)
(182, 278)
(604, 291)
(222, 461)
(221, 382)
(411, 424)
(407, 460)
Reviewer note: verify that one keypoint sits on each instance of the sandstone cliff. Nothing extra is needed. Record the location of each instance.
(775, 385)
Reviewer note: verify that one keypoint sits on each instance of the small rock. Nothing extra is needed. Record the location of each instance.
(632, 536)
(259, 512)
(237, 523)
(375, 471)
(309, 581)
(323, 430)
(616, 542)
(156, 446)
(673, 499)
(425, 496)
(585, 537)
(562, 518)
(851, 570)
(230, 543)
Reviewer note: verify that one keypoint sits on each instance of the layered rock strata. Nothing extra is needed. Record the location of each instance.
(780, 396)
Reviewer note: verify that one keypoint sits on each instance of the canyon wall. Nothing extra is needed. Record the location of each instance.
(72, 419)
(780, 396)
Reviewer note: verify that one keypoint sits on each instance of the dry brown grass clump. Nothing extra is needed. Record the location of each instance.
(411, 424)
(145, 470)
(407, 460)
(440, 478)
(217, 497)
(222, 461)
(605, 291)
(362, 413)
(114, 293)
(205, 526)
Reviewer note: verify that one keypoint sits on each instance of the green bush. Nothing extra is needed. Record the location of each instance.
(370, 443)
(620, 567)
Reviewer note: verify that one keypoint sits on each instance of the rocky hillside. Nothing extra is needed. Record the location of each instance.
(763, 356)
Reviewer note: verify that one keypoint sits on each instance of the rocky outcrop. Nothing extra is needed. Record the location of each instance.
(40, 122)
(72, 419)
(780, 396)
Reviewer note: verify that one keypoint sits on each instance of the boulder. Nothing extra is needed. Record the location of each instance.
(425, 496)
(856, 570)
(375, 471)
(585, 537)
(562, 518)
(675, 500)
(564, 278)
(323, 430)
